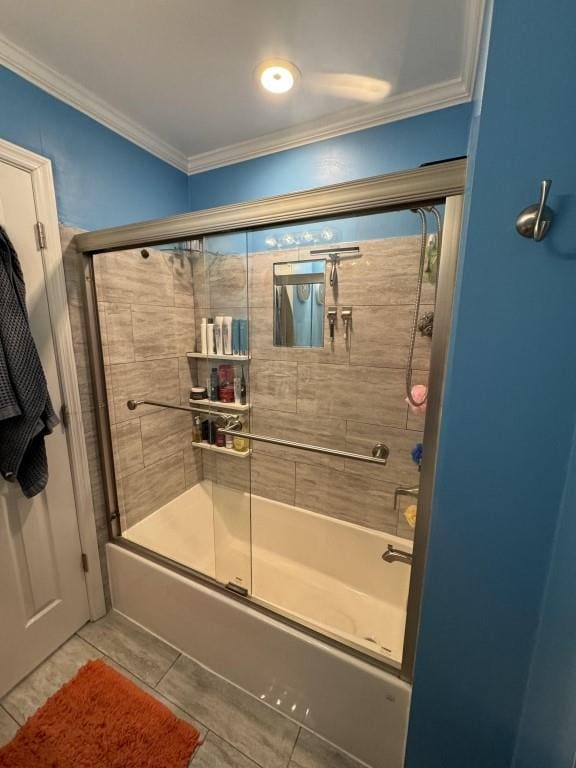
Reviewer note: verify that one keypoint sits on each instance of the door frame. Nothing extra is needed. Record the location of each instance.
(40, 170)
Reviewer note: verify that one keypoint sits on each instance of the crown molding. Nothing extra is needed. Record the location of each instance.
(404, 105)
(417, 102)
(63, 88)
(395, 107)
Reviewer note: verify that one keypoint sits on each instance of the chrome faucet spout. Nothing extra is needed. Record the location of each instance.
(393, 555)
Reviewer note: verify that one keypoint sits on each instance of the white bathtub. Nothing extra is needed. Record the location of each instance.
(325, 573)
(317, 569)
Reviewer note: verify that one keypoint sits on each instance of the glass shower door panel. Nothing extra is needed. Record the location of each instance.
(146, 315)
(223, 368)
(321, 523)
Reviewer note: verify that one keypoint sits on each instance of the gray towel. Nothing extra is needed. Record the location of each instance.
(26, 413)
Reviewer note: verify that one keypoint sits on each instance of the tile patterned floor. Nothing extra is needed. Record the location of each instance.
(239, 731)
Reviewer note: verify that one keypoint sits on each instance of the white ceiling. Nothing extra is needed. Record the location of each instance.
(176, 76)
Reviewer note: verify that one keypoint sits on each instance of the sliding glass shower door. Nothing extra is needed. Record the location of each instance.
(267, 396)
(182, 485)
(333, 307)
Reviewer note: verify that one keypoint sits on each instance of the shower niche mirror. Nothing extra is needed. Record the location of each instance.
(299, 303)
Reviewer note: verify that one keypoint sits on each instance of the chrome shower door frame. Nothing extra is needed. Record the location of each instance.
(436, 183)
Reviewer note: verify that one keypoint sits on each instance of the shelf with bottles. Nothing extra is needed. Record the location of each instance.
(229, 358)
(218, 405)
(222, 450)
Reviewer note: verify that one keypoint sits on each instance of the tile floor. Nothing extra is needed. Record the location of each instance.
(239, 731)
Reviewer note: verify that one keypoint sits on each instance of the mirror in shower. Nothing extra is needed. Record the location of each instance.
(299, 303)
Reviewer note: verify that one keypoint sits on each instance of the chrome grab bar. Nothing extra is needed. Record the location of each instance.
(306, 447)
(133, 404)
(393, 555)
(380, 448)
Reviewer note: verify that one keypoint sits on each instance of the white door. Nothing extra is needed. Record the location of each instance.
(43, 597)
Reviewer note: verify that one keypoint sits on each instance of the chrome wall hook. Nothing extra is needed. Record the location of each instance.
(535, 220)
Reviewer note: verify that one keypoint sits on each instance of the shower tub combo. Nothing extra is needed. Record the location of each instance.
(286, 567)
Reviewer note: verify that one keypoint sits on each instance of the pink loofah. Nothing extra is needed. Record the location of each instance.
(419, 394)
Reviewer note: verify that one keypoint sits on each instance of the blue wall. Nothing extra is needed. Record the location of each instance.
(548, 731)
(101, 179)
(509, 413)
(386, 148)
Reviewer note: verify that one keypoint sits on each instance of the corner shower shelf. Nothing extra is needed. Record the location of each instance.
(232, 358)
(226, 451)
(217, 405)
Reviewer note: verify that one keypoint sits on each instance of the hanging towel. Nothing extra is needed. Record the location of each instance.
(26, 413)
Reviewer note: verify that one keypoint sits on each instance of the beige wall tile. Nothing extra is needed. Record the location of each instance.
(184, 329)
(116, 332)
(193, 466)
(127, 443)
(260, 274)
(400, 469)
(233, 472)
(150, 380)
(154, 331)
(183, 278)
(148, 489)
(381, 336)
(227, 279)
(347, 496)
(323, 431)
(124, 277)
(209, 468)
(386, 274)
(164, 433)
(273, 384)
(273, 478)
(360, 393)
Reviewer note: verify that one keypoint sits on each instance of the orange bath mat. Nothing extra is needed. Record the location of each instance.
(101, 720)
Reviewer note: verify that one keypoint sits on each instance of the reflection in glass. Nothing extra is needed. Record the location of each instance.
(299, 303)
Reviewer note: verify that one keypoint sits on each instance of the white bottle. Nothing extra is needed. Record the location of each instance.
(204, 337)
(210, 337)
(227, 335)
(218, 335)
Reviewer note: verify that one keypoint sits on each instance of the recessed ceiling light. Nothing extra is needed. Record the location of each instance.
(277, 75)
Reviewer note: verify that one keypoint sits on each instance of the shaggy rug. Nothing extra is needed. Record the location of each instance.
(101, 720)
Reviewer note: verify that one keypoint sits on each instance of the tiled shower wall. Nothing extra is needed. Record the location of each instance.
(146, 311)
(147, 324)
(341, 397)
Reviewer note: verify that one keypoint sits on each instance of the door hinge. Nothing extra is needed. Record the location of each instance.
(84, 562)
(64, 415)
(40, 235)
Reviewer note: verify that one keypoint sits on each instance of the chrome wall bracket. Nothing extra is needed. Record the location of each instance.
(535, 220)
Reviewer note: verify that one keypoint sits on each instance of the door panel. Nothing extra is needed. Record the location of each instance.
(43, 598)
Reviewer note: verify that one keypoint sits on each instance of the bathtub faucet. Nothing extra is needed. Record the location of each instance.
(405, 492)
(393, 555)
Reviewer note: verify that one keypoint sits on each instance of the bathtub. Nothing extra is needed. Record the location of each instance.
(324, 573)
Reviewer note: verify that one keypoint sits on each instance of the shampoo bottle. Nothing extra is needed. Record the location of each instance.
(204, 336)
(227, 336)
(218, 335)
(214, 384)
(237, 387)
(210, 336)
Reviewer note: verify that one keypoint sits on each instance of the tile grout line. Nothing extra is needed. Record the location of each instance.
(155, 686)
(3, 708)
